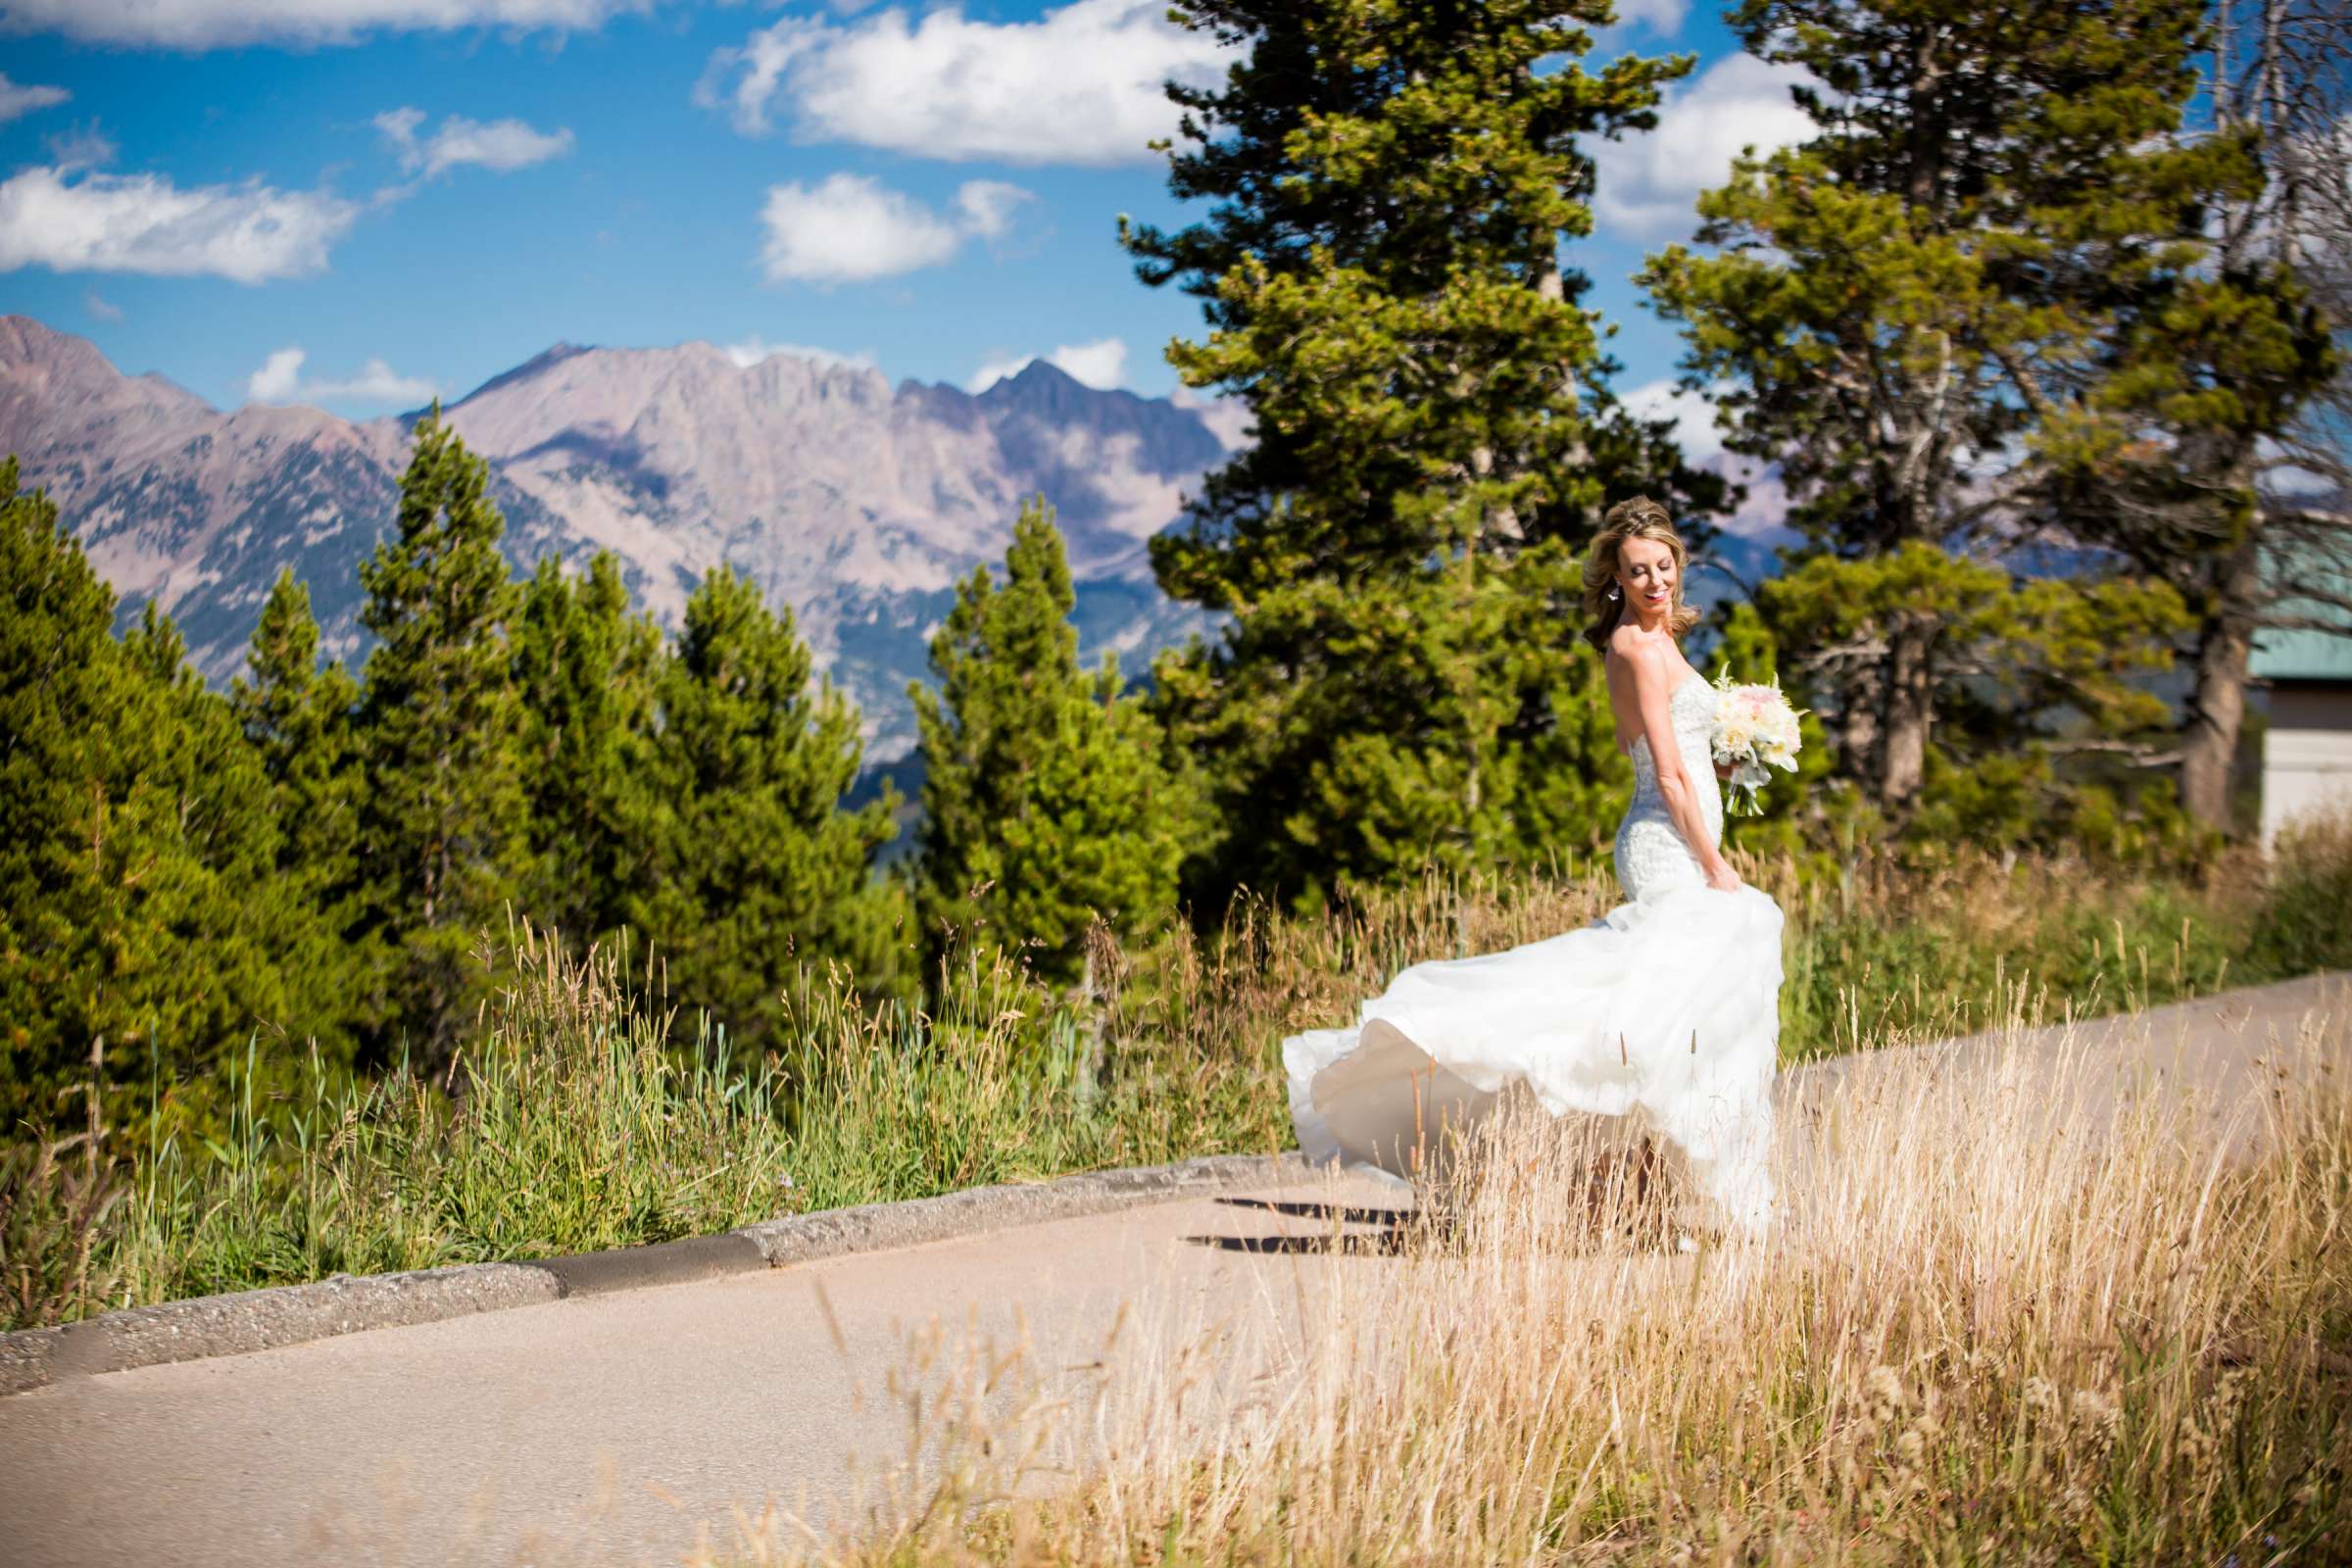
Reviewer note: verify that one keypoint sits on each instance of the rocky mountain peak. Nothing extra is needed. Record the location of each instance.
(858, 505)
(77, 378)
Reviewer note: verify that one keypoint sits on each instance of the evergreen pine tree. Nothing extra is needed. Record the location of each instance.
(2161, 437)
(298, 718)
(1435, 439)
(2166, 466)
(441, 821)
(756, 871)
(1882, 297)
(139, 917)
(1044, 803)
(205, 769)
(2211, 439)
(1998, 660)
(584, 668)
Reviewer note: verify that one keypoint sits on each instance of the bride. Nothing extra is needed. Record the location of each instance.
(1664, 1009)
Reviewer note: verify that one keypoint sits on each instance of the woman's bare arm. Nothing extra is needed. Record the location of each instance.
(1651, 679)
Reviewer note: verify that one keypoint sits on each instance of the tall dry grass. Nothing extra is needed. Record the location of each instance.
(587, 1113)
(2006, 1319)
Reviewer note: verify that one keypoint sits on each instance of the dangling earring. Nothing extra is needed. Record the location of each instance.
(1612, 593)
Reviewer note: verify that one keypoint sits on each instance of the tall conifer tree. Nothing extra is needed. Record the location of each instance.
(1435, 438)
(139, 911)
(757, 872)
(298, 718)
(1044, 803)
(2204, 437)
(1883, 299)
(441, 820)
(584, 668)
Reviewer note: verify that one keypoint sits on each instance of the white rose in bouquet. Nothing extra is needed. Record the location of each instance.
(1755, 731)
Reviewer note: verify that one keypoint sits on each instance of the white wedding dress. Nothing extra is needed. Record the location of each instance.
(1666, 1008)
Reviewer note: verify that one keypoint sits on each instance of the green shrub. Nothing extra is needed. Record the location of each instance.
(580, 1120)
(2305, 919)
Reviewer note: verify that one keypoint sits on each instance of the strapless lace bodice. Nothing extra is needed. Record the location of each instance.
(1651, 853)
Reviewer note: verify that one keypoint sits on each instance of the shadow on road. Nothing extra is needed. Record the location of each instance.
(1308, 1211)
(1376, 1244)
(1394, 1228)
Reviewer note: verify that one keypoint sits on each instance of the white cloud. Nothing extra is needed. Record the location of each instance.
(144, 223)
(1693, 413)
(501, 145)
(993, 370)
(212, 23)
(83, 147)
(1227, 419)
(1764, 514)
(753, 349)
(1102, 363)
(1081, 84)
(100, 307)
(851, 228)
(18, 99)
(1099, 363)
(1663, 19)
(275, 380)
(985, 206)
(399, 128)
(280, 380)
(376, 382)
(1649, 183)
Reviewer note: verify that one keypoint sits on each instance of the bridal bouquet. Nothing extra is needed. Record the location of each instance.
(1754, 726)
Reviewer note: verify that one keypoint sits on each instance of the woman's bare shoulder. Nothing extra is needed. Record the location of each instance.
(1642, 655)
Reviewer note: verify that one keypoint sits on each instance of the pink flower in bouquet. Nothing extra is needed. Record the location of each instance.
(1755, 731)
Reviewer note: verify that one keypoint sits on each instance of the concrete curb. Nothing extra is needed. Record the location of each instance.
(289, 1314)
(881, 1227)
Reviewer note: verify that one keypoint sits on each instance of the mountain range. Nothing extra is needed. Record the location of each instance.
(859, 503)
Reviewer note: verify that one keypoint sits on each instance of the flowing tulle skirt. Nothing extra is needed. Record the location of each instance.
(1666, 1008)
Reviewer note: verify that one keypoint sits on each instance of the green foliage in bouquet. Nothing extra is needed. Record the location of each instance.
(1795, 808)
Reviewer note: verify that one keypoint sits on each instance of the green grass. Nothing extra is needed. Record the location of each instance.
(588, 1115)
(1886, 955)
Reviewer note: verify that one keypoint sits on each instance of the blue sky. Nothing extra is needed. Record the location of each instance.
(356, 202)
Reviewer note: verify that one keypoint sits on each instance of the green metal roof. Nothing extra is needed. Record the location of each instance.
(2301, 655)
(2305, 655)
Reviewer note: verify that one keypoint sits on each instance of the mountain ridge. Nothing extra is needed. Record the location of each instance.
(858, 503)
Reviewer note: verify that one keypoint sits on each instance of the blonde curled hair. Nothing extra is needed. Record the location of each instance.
(1637, 519)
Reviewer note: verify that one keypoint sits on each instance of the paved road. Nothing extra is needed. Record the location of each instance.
(625, 1428)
